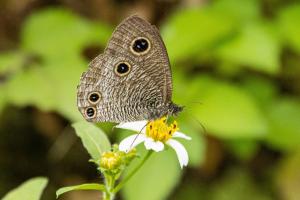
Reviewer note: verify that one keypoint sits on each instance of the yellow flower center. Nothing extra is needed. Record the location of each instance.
(159, 130)
(110, 160)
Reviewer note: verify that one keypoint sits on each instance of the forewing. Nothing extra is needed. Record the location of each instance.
(155, 63)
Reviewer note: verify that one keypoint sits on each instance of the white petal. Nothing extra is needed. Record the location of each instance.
(181, 135)
(130, 142)
(154, 145)
(135, 126)
(181, 152)
(148, 143)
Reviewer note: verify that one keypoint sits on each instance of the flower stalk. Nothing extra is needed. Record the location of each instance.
(109, 185)
(122, 183)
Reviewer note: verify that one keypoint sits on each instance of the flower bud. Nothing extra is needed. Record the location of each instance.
(110, 160)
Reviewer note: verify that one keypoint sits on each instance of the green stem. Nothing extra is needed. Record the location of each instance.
(109, 184)
(122, 183)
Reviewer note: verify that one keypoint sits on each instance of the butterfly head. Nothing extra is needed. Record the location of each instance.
(174, 109)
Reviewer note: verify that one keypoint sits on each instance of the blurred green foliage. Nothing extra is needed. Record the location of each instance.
(49, 82)
(155, 179)
(29, 190)
(236, 70)
(237, 184)
(289, 26)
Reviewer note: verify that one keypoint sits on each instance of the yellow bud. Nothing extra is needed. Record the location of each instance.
(110, 160)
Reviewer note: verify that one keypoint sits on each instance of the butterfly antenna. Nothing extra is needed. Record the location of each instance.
(137, 135)
(196, 120)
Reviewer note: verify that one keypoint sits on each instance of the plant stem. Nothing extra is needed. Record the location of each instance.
(122, 183)
(109, 184)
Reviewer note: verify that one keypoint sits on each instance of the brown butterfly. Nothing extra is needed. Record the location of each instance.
(131, 80)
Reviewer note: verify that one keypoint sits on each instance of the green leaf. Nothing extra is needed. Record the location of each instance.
(51, 83)
(225, 110)
(195, 147)
(290, 25)
(156, 179)
(11, 62)
(283, 116)
(238, 184)
(192, 31)
(191, 191)
(243, 149)
(228, 111)
(241, 11)
(54, 86)
(287, 176)
(32, 87)
(87, 186)
(29, 190)
(66, 33)
(262, 89)
(93, 138)
(256, 47)
(64, 76)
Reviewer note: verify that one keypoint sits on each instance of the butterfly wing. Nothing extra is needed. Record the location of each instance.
(132, 80)
(155, 62)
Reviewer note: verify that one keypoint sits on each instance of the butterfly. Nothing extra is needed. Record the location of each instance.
(131, 80)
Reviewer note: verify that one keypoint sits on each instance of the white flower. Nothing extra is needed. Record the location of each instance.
(155, 134)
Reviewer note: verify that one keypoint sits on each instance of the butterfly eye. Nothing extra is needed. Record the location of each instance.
(122, 68)
(90, 112)
(94, 97)
(140, 46)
